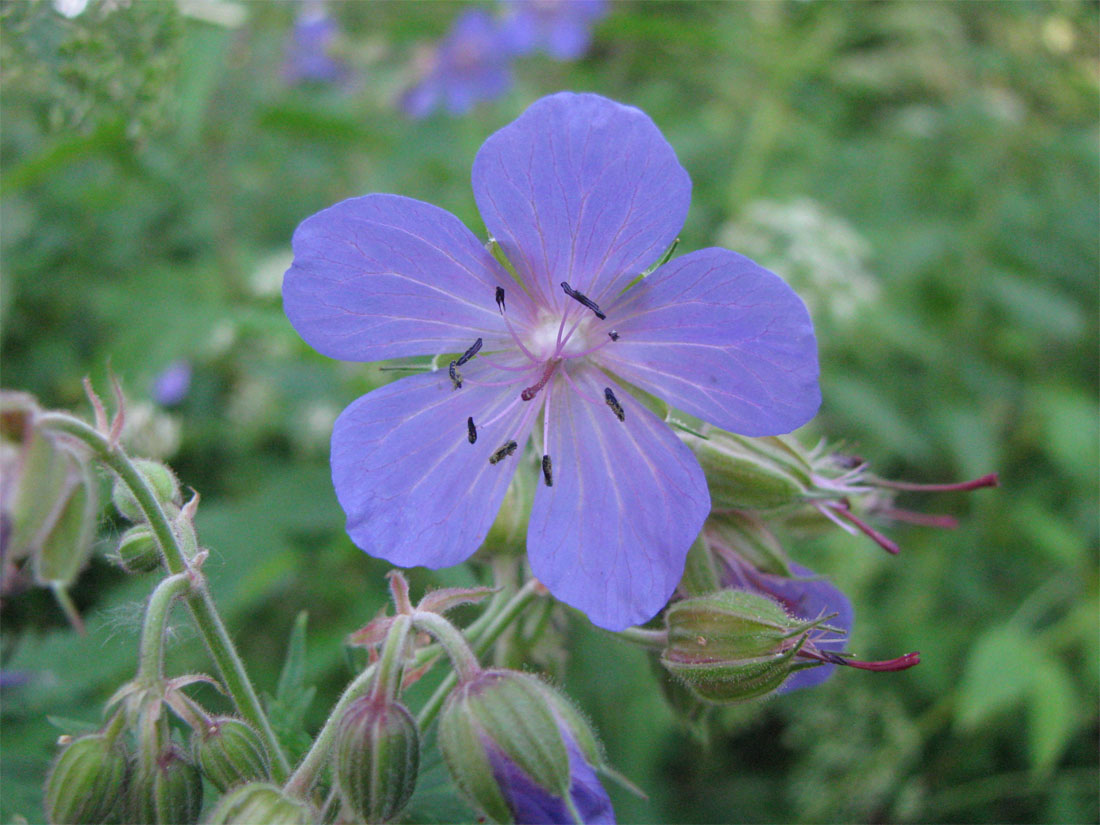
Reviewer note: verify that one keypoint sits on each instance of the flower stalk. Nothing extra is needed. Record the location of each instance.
(210, 624)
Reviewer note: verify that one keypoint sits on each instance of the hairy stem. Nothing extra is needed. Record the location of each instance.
(151, 658)
(205, 613)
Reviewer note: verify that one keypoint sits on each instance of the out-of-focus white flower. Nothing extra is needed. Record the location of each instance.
(150, 432)
(266, 280)
(313, 427)
(70, 8)
(818, 253)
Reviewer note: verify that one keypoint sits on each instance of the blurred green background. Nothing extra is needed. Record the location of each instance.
(926, 174)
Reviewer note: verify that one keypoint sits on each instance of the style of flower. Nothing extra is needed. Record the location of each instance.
(582, 194)
(470, 65)
(561, 28)
(308, 53)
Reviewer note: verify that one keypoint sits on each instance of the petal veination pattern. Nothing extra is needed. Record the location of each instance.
(414, 489)
(610, 537)
(580, 189)
(384, 276)
(721, 338)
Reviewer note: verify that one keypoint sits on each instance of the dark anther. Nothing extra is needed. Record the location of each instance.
(613, 335)
(500, 299)
(470, 353)
(547, 471)
(456, 379)
(583, 299)
(613, 403)
(471, 430)
(505, 451)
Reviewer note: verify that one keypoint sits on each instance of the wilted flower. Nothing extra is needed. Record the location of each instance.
(309, 56)
(804, 596)
(561, 28)
(471, 64)
(521, 753)
(583, 194)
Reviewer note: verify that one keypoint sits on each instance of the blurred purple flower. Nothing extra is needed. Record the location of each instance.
(308, 51)
(171, 385)
(561, 28)
(471, 64)
(582, 193)
(530, 803)
(806, 597)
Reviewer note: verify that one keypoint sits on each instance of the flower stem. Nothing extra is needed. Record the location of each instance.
(388, 673)
(151, 658)
(481, 642)
(453, 642)
(205, 613)
(645, 638)
(483, 632)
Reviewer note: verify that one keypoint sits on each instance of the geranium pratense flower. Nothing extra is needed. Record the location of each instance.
(471, 64)
(582, 194)
(562, 28)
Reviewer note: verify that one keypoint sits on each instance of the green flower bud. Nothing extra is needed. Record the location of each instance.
(170, 794)
(751, 473)
(229, 752)
(496, 717)
(261, 802)
(377, 753)
(87, 781)
(163, 481)
(733, 645)
(138, 551)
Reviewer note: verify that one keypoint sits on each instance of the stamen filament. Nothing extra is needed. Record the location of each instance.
(577, 389)
(519, 343)
(500, 414)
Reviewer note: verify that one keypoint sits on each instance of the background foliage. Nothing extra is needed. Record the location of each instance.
(925, 173)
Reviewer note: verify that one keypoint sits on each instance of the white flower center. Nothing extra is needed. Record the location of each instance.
(543, 340)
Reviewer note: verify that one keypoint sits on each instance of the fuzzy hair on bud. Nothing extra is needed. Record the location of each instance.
(87, 781)
(377, 758)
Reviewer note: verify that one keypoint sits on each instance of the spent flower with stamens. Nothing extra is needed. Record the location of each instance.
(582, 194)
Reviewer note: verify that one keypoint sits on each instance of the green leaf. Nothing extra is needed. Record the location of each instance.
(288, 708)
(997, 677)
(294, 667)
(1052, 716)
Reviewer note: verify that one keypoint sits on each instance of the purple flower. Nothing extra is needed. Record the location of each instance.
(470, 65)
(171, 385)
(807, 597)
(582, 194)
(561, 28)
(308, 57)
(530, 803)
